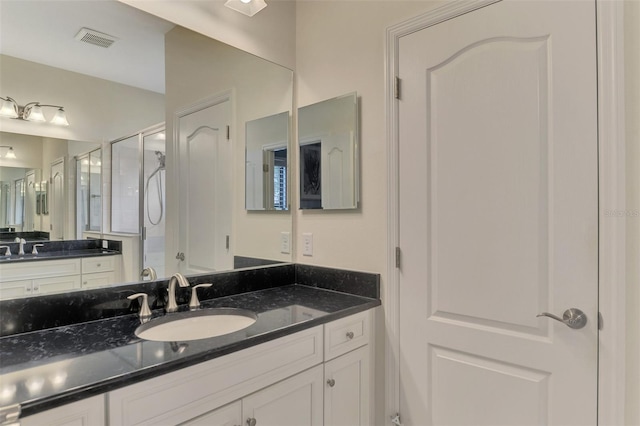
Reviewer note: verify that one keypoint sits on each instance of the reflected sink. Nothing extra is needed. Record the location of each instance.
(195, 325)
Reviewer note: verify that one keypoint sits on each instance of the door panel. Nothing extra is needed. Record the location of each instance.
(205, 182)
(498, 216)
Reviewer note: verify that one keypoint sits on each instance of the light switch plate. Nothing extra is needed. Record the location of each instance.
(285, 245)
(307, 244)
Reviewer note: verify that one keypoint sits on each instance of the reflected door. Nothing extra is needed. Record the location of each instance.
(31, 180)
(205, 158)
(498, 217)
(57, 200)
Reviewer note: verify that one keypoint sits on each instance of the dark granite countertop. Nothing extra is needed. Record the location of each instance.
(47, 368)
(53, 255)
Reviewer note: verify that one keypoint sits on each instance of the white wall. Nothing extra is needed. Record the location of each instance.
(632, 104)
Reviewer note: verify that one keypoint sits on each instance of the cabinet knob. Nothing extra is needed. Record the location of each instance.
(251, 422)
(350, 335)
(36, 288)
(99, 265)
(331, 383)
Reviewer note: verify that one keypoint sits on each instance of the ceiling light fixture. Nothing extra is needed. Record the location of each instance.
(33, 111)
(246, 7)
(10, 153)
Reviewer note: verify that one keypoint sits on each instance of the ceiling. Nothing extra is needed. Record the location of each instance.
(43, 31)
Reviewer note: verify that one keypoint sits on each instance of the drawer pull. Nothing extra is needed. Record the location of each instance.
(331, 383)
(350, 335)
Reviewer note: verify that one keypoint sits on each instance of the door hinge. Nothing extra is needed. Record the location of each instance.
(398, 254)
(227, 242)
(228, 132)
(397, 88)
(265, 168)
(144, 233)
(395, 420)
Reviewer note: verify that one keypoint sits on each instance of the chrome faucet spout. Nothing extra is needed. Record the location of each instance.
(172, 305)
(22, 242)
(149, 272)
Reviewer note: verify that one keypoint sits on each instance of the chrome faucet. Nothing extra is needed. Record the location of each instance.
(172, 306)
(34, 249)
(149, 272)
(22, 242)
(8, 252)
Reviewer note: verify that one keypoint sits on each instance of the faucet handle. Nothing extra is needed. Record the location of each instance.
(34, 250)
(8, 252)
(195, 303)
(145, 312)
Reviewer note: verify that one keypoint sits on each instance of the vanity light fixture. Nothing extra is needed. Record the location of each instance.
(246, 7)
(33, 111)
(10, 153)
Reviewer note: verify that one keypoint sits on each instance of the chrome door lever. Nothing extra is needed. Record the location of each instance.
(573, 318)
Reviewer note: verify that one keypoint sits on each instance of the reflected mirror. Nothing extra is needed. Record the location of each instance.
(329, 157)
(266, 163)
(107, 100)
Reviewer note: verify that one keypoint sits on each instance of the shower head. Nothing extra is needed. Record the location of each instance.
(161, 159)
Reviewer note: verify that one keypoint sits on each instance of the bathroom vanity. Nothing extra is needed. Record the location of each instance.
(307, 360)
(59, 267)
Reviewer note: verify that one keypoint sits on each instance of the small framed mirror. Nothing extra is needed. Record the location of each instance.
(328, 139)
(267, 163)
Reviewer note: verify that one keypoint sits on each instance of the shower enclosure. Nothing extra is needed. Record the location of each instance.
(138, 193)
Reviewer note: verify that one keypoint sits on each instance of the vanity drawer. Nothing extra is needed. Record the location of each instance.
(346, 334)
(99, 279)
(98, 264)
(39, 269)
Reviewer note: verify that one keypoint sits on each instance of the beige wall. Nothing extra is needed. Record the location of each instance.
(269, 34)
(97, 109)
(198, 67)
(632, 104)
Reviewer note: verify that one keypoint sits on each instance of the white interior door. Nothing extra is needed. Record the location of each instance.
(498, 217)
(205, 160)
(57, 200)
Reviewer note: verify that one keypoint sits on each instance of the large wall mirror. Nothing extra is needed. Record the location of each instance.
(110, 94)
(329, 154)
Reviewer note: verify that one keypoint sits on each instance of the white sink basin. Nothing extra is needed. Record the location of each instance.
(195, 325)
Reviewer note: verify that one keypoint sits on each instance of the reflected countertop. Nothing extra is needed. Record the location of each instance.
(47, 368)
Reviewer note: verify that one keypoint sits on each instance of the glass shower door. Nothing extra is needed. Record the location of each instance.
(153, 194)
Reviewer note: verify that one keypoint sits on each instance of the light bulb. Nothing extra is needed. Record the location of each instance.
(35, 113)
(10, 153)
(246, 1)
(8, 109)
(60, 118)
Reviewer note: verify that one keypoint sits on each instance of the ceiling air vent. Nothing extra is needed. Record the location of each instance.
(95, 37)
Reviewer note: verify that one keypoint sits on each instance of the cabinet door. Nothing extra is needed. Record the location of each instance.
(56, 284)
(347, 392)
(296, 401)
(229, 415)
(11, 289)
(87, 412)
(100, 279)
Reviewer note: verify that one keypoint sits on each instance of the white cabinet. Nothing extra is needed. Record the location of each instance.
(87, 412)
(284, 382)
(347, 393)
(21, 279)
(296, 401)
(36, 278)
(99, 271)
(229, 415)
